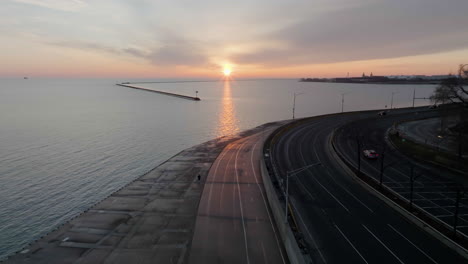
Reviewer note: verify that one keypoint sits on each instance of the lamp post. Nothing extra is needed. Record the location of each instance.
(391, 103)
(290, 174)
(358, 145)
(382, 168)
(382, 164)
(294, 103)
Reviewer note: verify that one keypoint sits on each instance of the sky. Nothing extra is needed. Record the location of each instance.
(254, 38)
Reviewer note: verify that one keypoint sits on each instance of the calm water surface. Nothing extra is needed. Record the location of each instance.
(67, 144)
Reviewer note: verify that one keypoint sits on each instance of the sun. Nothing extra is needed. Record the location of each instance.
(227, 71)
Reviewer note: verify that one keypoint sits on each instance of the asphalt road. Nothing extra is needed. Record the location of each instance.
(234, 222)
(434, 187)
(426, 131)
(342, 222)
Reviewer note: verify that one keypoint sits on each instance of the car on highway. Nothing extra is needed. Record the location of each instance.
(370, 154)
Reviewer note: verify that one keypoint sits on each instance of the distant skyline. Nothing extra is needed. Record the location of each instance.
(263, 38)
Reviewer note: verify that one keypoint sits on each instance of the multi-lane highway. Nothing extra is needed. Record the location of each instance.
(342, 222)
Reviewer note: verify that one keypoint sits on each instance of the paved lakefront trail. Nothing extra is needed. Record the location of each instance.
(234, 222)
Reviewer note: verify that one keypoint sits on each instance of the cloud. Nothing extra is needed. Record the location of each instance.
(86, 46)
(135, 52)
(70, 5)
(170, 54)
(384, 29)
(178, 54)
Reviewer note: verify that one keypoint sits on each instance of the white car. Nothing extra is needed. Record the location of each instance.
(370, 154)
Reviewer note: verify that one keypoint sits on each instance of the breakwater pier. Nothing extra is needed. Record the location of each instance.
(194, 98)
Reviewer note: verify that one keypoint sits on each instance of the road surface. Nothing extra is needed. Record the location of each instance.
(434, 187)
(343, 222)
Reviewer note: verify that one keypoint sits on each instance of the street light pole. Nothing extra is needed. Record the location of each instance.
(290, 174)
(358, 143)
(342, 102)
(287, 199)
(382, 166)
(391, 103)
(294, 103)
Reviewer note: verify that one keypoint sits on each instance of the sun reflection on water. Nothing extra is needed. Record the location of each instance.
(228, 122)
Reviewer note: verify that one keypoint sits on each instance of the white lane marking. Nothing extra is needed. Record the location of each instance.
(224, 180)
(307, 190)
(265, 203)
(240, 204)
(325, 188)
(382, 243)
(331, 177)
(303, 160)
(225, 151)
(441, 216)
(264, 254)
(352, 195)
(357, 251)
(412, 244)
(441, 193)
(308, 233)
(436, 207)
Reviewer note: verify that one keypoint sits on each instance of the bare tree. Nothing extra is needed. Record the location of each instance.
(452, 90)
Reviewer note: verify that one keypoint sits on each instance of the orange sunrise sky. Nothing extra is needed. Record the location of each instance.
(310, 38)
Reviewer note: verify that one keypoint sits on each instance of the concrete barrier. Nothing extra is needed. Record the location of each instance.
(287, 236)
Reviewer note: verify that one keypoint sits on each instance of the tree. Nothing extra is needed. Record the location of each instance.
(452, 90)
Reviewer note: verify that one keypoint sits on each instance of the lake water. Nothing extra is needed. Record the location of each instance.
(66, 144)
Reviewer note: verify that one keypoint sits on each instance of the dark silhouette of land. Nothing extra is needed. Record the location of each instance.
(381, 80)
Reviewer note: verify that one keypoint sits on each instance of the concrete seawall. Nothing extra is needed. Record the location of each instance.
(150, 220)
(160, 92)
